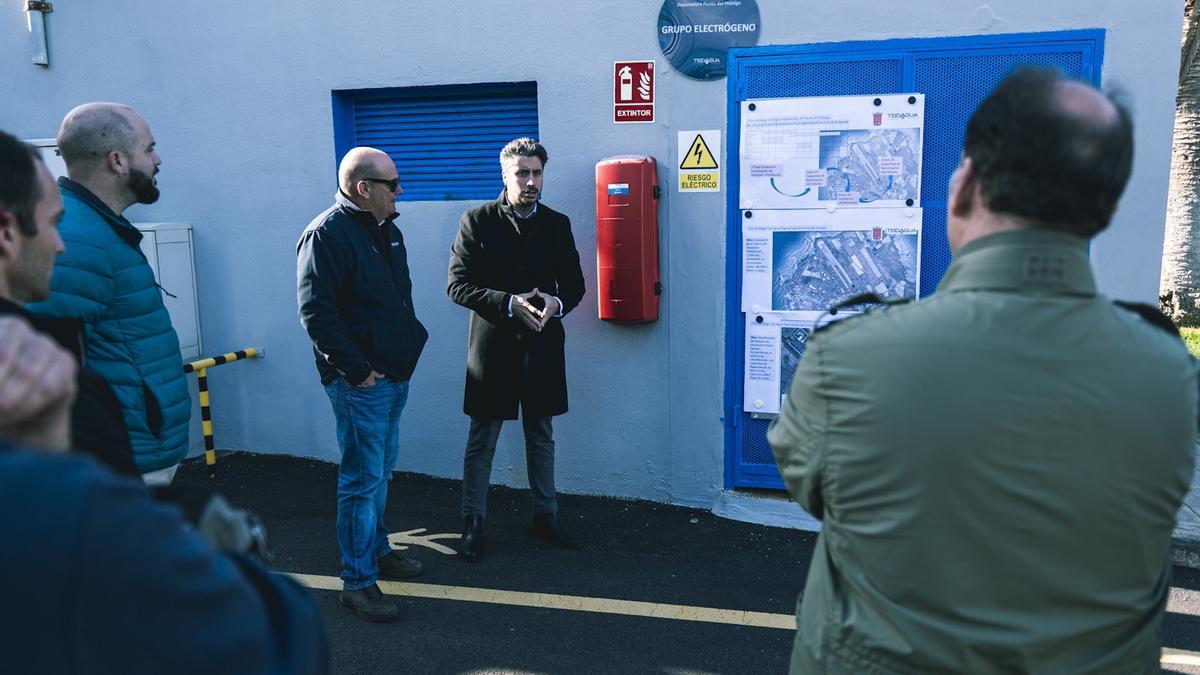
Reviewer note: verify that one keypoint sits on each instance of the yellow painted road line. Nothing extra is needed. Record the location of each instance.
(1180, 657)
(577, 603)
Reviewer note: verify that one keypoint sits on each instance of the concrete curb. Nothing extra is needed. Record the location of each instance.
(764, 509)
(1185, 546)
(1185, 540)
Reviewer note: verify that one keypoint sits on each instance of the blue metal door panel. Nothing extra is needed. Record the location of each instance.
(955, 74)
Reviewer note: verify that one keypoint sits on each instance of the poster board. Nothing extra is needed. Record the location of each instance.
(801, 263)
(817, 151)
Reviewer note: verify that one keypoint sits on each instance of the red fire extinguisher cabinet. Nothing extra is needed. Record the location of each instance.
(627, 238)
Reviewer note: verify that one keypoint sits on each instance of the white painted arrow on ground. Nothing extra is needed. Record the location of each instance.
(402, 540)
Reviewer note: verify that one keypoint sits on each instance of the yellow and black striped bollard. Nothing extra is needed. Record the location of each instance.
(201, 369)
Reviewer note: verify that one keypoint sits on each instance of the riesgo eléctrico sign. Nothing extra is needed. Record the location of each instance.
(695, 35)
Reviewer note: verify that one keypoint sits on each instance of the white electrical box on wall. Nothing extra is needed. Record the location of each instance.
(48, 149)
(168, 249)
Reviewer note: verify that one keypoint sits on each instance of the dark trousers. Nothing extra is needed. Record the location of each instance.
(539, 462)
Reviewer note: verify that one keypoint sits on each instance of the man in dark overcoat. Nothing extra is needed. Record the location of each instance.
(514, 265)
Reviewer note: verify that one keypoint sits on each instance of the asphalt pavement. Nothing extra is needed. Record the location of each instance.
(675, 557)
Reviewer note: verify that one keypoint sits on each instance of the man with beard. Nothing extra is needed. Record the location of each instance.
(30, 209)
(514, 264)
(138, 578)
(104, 281)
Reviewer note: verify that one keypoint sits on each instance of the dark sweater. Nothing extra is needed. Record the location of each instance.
(110, 581)
(97, 425)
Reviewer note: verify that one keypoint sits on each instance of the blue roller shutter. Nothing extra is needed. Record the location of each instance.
(446, 140)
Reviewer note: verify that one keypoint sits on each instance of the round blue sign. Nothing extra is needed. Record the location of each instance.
(695, 35)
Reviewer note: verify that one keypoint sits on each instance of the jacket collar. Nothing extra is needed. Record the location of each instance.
(357, 212)
(522, 225)
(1031, 260)
(508, 208)
(9, 308)
(119, 223)
(66, 331)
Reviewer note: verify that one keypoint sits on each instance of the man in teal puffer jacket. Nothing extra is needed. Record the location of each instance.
(104, 280)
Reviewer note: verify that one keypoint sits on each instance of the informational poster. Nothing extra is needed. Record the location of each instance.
(840, 151)
(801, 263)
(774, 346)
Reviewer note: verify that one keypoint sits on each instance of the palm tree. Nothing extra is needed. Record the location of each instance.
(1180, 280)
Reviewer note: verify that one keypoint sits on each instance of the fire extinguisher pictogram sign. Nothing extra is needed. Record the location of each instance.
(633, 92)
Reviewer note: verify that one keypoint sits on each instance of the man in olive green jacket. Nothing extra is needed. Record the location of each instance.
(997, 467)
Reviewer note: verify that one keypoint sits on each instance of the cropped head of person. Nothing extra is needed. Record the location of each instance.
(30, 210)
(1041, 151)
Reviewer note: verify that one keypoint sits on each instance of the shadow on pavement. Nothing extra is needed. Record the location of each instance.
(633, 550)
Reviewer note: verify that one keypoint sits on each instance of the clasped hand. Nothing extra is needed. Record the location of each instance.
(533, 318)
(37, 386)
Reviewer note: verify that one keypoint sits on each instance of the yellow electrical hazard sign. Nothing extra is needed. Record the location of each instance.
(699, 182)
(699, 168)
(698, 156)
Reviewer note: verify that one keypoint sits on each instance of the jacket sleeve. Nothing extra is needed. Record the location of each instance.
(463, 285)
(98, 426)
(83, 285)
(147, 577)
(567, 272)
(798, 435)
(321, 269)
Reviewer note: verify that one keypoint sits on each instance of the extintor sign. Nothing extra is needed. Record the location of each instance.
(633, 92)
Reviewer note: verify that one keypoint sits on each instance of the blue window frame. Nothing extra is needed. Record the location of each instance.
(445, 140)
(955, 74)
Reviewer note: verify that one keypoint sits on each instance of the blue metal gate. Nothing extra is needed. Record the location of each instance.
(955, 74)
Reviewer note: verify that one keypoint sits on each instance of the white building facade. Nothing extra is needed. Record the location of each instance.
(242, 101)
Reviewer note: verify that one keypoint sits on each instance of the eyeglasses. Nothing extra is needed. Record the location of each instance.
(391, 183)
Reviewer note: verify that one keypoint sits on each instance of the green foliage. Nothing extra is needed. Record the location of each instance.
(1180, 308)
(1191, 336)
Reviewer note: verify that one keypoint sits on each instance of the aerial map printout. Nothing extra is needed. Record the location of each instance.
(792, 339)
(773, 350)
(844, 151)
(803, 262)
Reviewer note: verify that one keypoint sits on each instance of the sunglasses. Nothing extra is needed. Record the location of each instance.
(391, 183)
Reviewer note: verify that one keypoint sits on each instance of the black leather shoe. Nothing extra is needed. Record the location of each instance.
(371, 604)
(395, 566)
(471, 548)
(546, 526)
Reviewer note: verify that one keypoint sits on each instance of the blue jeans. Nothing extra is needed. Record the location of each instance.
(368, 429)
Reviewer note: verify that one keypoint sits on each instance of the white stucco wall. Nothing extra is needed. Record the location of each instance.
(239, 99)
